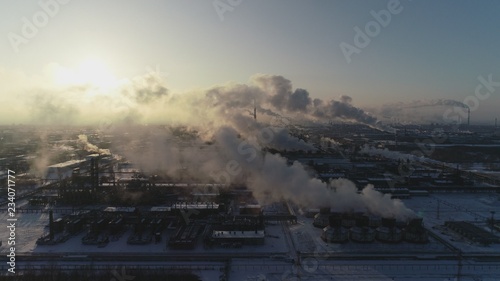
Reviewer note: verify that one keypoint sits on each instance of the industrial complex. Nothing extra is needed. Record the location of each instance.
(403, 211)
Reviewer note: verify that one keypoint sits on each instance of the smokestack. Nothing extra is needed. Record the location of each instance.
(396, 138)
(51, 225)
(496, 123)
(94, 173)
(254, 109)
(468, 116)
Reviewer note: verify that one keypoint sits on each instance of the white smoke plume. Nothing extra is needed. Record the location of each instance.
(396, 155)
(280, 96)
(87, 146)
(272, 179)
(49, 153)
(419, 111)
(210, 136)
(437, 102)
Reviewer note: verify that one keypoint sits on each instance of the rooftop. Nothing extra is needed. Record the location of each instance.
(238, 234)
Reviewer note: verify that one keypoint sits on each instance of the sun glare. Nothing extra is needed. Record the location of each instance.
(89, 72)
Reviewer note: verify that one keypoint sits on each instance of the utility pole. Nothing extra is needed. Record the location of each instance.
(459, 269)
(437, 211)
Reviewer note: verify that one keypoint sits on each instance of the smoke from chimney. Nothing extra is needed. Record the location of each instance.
(411, 111)
(209, 132)
(468, 116)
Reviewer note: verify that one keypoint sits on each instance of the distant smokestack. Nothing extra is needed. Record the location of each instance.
(94, 173)
(468, 116)
(396, 138)
(254, 109)
(51, 225)
(496, 123)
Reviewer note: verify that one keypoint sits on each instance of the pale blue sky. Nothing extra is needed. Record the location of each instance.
(432, 49)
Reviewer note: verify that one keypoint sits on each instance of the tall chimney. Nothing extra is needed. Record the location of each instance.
(396, 138)
(468, 116)
(94, 173)
(51, 225)
(496, 123)
(254, 109)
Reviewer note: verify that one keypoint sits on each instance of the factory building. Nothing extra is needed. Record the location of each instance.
(472, 232)
(200, 206)
(236, 238)
(415, 231)
(64, 170)
(185, 236)
(250, 209)
(195, 209)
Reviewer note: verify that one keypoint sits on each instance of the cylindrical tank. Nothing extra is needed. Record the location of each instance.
(348, 220)
(415, 231)
(388, 232)
(335, 234)
(362, 234)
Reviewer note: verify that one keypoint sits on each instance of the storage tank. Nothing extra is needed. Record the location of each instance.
(334, 232)
(415, 231)
(388, 232)
(321, 219)
(362, 232)
(348, 220)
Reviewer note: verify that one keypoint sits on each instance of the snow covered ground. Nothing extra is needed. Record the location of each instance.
(31, 226)
(475, 208)
(304, 237)
(356, 270)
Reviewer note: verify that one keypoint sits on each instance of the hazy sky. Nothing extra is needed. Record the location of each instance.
(428, 50)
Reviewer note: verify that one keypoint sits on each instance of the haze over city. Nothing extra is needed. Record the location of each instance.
(241, 140)
(88, 52)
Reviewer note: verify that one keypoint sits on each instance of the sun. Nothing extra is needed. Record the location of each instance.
(95, 72)
(90, 72)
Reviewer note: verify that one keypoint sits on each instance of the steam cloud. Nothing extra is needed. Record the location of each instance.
(87, 146)
(275, 181)
(282, 98)
(210, 136)
(396, 155)
(412, 110)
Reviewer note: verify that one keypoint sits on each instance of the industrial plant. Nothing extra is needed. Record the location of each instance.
(232, 140)
(359, 195)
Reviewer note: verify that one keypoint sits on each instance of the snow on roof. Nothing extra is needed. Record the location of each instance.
(251, 206)
(195, 205)
(238, 234)
(120, 209)
(160, 209)
(67, 164)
